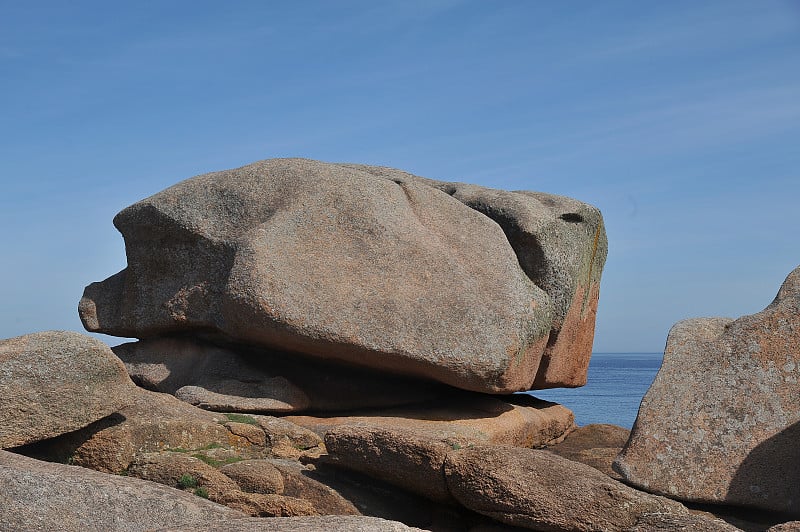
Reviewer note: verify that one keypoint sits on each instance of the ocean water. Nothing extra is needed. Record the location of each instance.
(617, 382)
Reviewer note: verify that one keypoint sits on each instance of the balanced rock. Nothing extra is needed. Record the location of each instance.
(483, 290)
(56, 382)
(721, 421)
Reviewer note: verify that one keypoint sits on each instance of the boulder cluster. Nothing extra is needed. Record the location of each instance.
(336, 347)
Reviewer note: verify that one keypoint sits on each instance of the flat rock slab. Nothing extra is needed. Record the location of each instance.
(45, 496)
(56, 382)
(228, 379)
(462, 419)
(488, 291)
(721, 421)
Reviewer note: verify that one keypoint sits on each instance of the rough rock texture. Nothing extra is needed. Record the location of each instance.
(260, 381)
(462, 418)
(55, 382)
(595, 445)
(299, 482)
(340, 523)
(561, 245)
(333, 260)
(722, 419)
(538, 490)
(169, 467)
(255, 476)
(154, 422)
(407, 459)
(44, 496)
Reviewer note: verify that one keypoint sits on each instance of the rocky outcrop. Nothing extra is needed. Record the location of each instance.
(45, 496)
(463, 418)
(538, 490)
(340, 523)
(596, 445)
(56, 382)
(721, 421)
(483, 290)
(259, 381)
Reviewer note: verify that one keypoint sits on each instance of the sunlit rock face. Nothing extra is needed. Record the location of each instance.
(721, 421)
(481, 289)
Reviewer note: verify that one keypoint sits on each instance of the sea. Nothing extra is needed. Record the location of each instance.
(616, 384)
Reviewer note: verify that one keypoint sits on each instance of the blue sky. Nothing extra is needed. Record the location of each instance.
(679, 120)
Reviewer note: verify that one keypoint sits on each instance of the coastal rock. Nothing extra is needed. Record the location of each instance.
(596, 445)
(255, 476)
(45, 496)
(258, 381)
(561, 245)
(333, 260)
(340, 523)
(154, 422)
(173, 469)
(538, 490)
(56, 382)
(721, 421)
(518, 420)
(298, 482)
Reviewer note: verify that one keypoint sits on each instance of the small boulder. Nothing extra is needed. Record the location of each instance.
(720, 423)
(180, 470)
(255, 476)
(56, 382)
(596, 445)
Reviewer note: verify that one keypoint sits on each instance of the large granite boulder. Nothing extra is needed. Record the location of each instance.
(258, 381)
(56, 382)
(45, 496)
(538, 490)
(483, 290)
(721, 421)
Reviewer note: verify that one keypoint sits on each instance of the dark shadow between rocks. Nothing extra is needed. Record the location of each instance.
(770, 475)
(61, 449)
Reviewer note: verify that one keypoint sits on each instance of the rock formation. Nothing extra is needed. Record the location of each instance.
(720, 423)
(483, 290)
(56, 382)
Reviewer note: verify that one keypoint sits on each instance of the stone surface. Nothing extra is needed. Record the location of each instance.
(407, 459)
(538, 490)
(561, 245)
(333, 260)
(463, 418)
(43, 496)
(300, 482)
(722, 419)
(340, 523)
(154, 422)
(255, 476)
(595, 445)
(55, 382)
(170, 467)
(259, 381)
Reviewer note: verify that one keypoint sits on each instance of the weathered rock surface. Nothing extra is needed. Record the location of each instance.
(55, 382)
(340, 523)
(722, 419)
(518, 420)
(255, 476)
(154, 422)
(596, 445)
(43, 496)
(538, 490)
(259, 381)
(393, 272)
